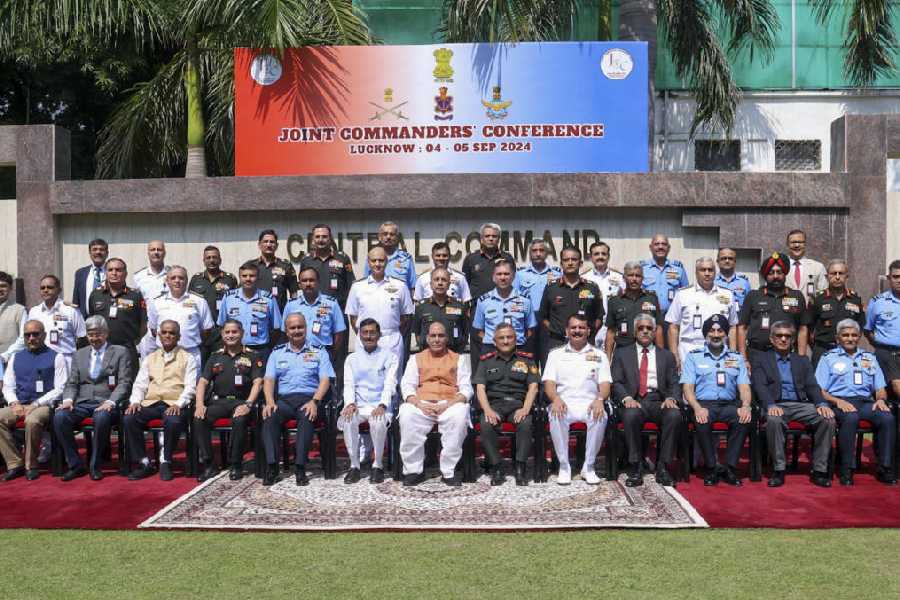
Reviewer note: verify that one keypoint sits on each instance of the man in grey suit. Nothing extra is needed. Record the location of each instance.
(99, 381)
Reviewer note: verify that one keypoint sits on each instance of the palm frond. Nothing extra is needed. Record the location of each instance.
(871, 42)
(217, 70)
(507, 20)
(751, 24)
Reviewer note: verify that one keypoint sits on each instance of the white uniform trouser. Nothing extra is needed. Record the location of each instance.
(686, 347)
(453, 425)
(559, 431)
(378, 428)
(147, 345)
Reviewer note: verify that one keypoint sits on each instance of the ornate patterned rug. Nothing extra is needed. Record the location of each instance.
(331, 505)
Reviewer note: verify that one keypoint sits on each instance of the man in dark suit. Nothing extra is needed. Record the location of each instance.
(645, 386)
(786, 388)
(91, 277)
(99, 382)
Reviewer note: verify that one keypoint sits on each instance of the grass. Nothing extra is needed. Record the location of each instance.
(580, 564)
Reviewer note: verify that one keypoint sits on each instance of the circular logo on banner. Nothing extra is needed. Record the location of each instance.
(616, 64)
(265, 69)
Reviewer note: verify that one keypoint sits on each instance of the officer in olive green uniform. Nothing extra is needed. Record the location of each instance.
(622, 309)
(506, 385)
(441, 307)
(276, 275)
(831, 306)
(212, 283)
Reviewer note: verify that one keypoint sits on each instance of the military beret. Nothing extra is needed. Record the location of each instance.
(778, 259)
(716, 319)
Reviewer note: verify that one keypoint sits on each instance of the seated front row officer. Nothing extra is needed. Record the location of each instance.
(234, 375)
(717, 387)
(99, 381)
(853, 382)
(163, 388)
(298, 376)
(787, 391)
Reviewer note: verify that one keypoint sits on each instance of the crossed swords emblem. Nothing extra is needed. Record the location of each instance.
(382, 111)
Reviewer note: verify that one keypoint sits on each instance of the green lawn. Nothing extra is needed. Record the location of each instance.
(634, 564)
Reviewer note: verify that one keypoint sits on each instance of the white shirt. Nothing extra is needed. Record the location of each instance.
(190, 311)
(577, 373)
(385, 301)
(812, 277)
(151, 284)
(63, 324)
(89, 283)
(409, 385)
(652, 383)
(142, 382)
(60, 375)
(611, 283)
(693, 305)
(370, 379)
(459, 287)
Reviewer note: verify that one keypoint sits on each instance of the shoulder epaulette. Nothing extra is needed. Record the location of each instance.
(649, 292)
(614, 271)
(524, 354)
(231, 292)
(264, 293)
(741, 276)
(196, 275)
(488, 355)
(328, 297)
(219, 351)
(484, 296)
(677, 263)
(279, 346)
(363, 278)
(195, 293)
(701, 350)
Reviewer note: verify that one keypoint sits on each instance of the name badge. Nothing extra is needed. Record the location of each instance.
(254, 329)
(671, 294)
(698, 321)
(274, 291)
(857, 378)
(111, 381)
(238, 380)
(810, 289)
(316, 327)
(507, 319)
(334, 283)
(218, 305)
(623, 328)
(54, 336)
(39, 386)
(765, 323)
(720, 378)
(113, 311)
(456, 332)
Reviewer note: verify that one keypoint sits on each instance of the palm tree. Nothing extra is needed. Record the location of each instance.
(188, 106)
(701, 36)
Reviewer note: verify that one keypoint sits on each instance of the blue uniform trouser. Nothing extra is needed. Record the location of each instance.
(726, 412)
(848, 422)
(289, 407)
(65, 421)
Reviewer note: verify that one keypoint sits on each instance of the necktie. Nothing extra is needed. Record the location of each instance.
(797, 273)
(642, 386)
(97, 281)
(95, 364)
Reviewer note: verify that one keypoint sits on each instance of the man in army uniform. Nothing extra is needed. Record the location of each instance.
(569, 295)
(276, 275)
(212, 283)
(123, 308)
(441, 307)
(623, 309)
(771, 303)
(233, 376)
(506, 385)
(831, 306)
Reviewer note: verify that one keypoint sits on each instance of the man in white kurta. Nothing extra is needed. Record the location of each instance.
(577, 383)
(436, 387)
(370, 380)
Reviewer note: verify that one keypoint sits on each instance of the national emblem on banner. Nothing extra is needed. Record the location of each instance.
(443, 72)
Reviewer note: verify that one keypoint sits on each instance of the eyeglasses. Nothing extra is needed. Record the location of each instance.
(32, 334)
(645, 328)
(783, 336)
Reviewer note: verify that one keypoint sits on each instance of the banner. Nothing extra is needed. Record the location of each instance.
(564, 107)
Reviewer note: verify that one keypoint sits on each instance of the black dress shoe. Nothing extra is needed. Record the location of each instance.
(886, 476)
(820, 479)
(376, 475)
(777, 479)
(141, 472)
(712, 478)
(13, 473)
(413, 479)
(236, 472)
(663, 477)
(521, 474)
(32, 474)
(846, 477)
(454, 481)
(96, 475)
(165, 471)
(208, 473)
(731, 478)
(272, 476)
(300, 477)
(634, 476)
(497, 476)
(352, 476)
(73, 473)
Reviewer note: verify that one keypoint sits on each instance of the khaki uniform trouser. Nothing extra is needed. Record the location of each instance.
(35, 423)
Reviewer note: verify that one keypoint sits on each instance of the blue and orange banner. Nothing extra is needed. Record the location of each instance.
(564, 107)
